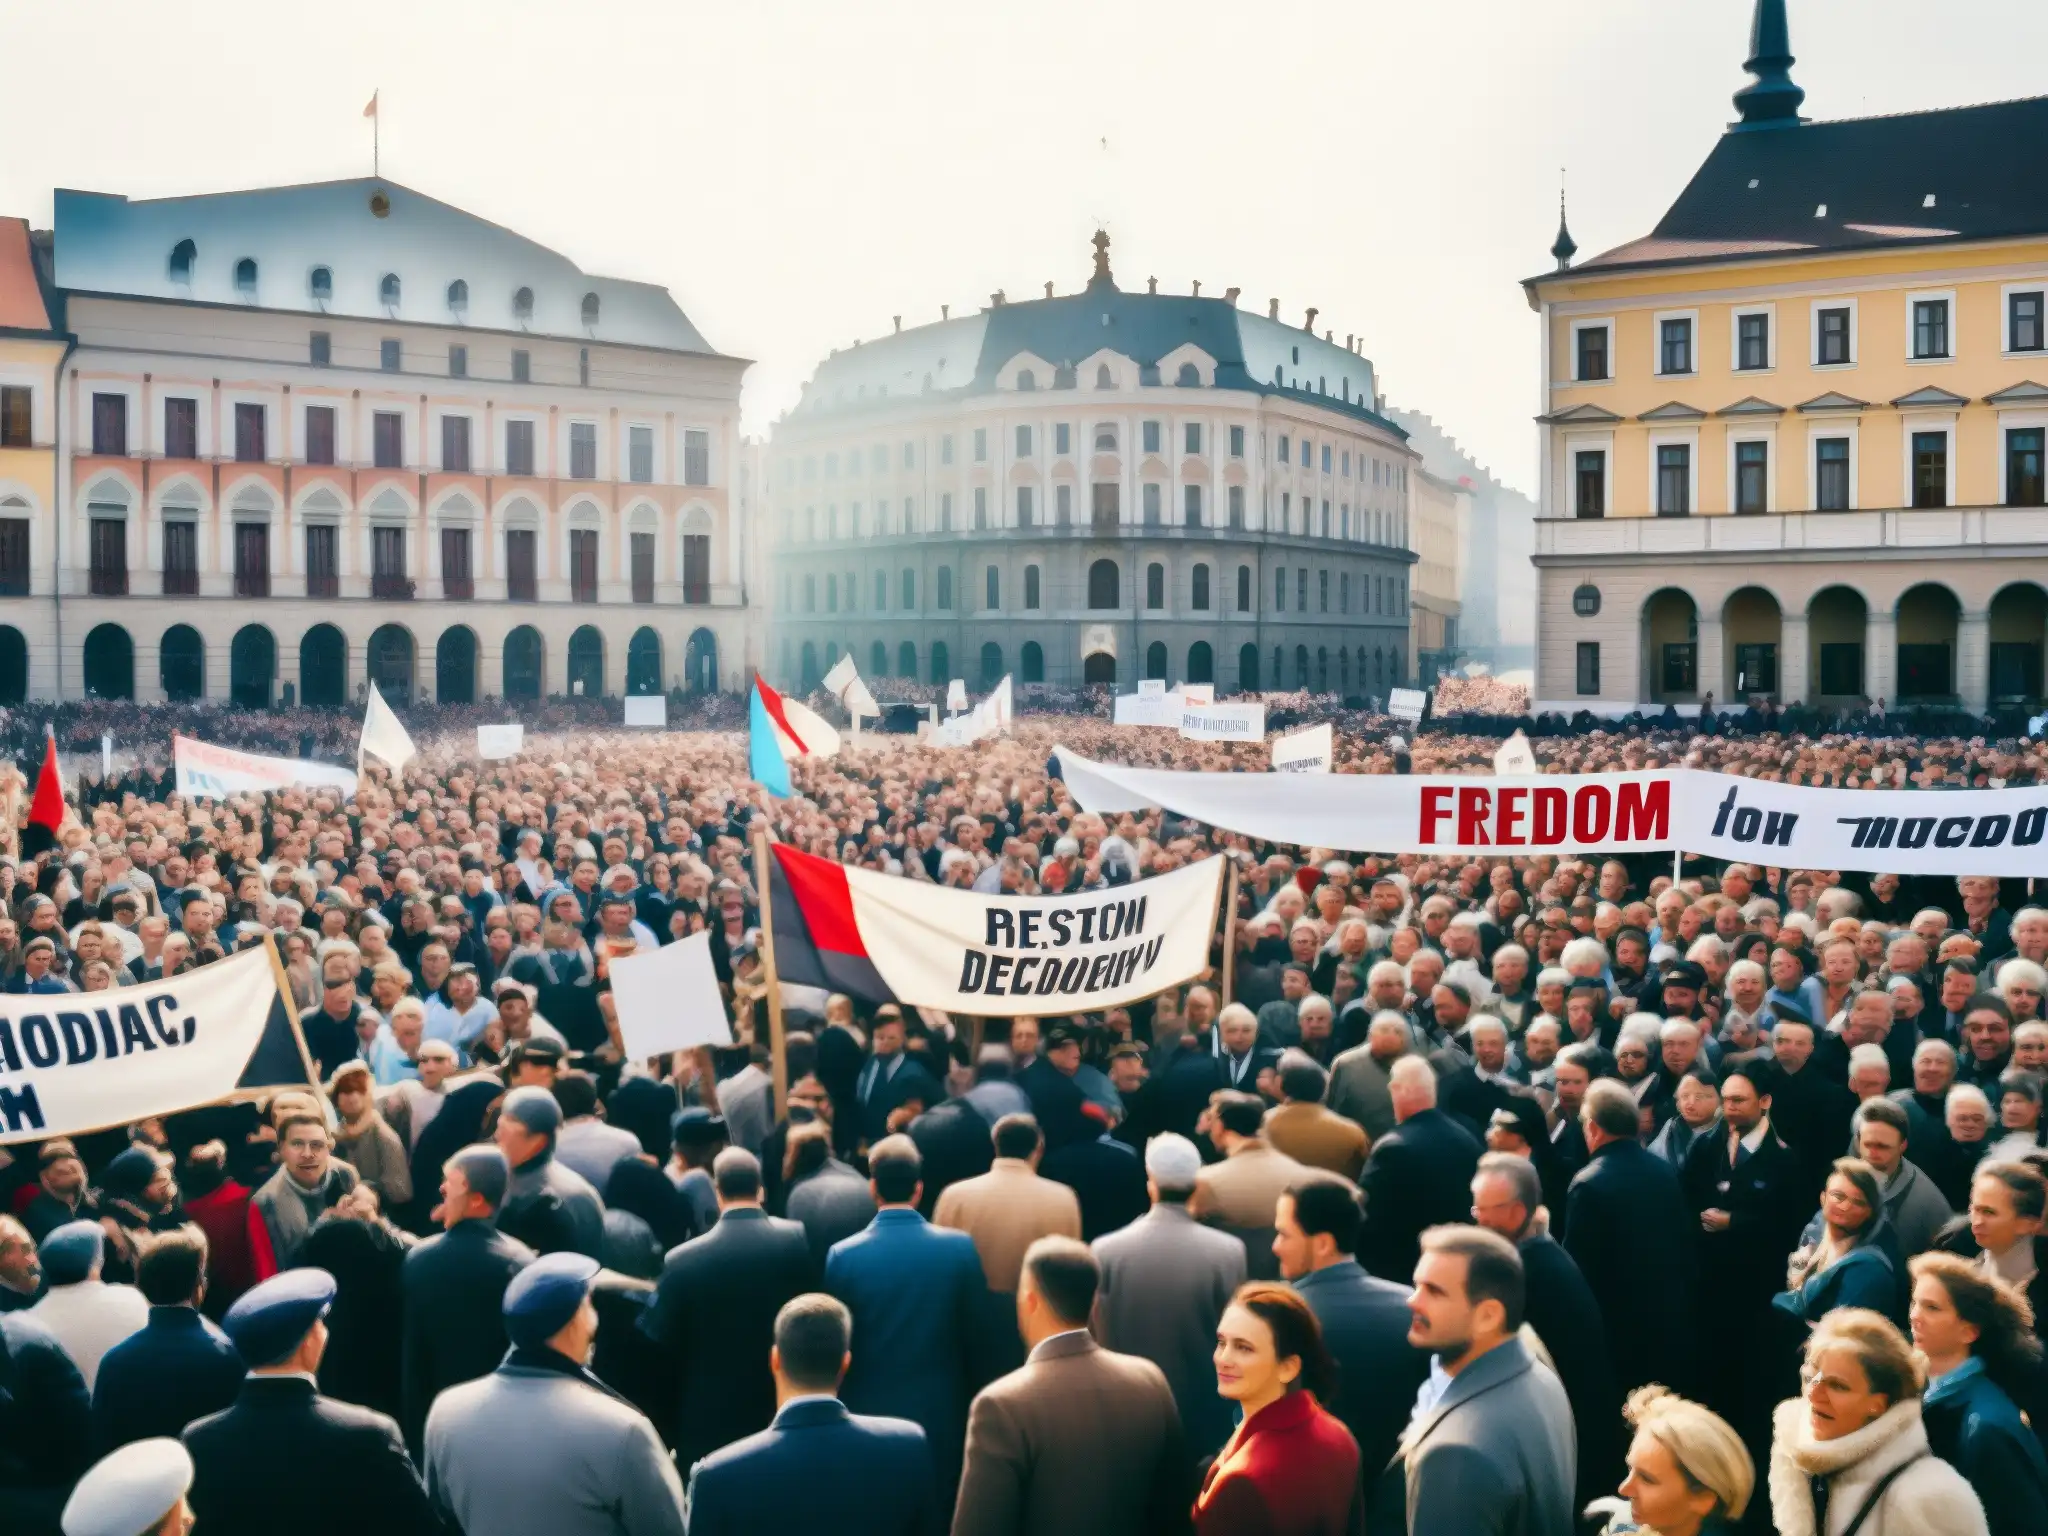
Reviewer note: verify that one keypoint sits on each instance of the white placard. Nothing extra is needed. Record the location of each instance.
(1309, 751)
(1152, 688)
(1406, 703)
(496, 742)
(956, 693)
(649, 710)
(1223, 722)
(207, 771)
(1515, 756)
(1140, 709)
(1198, 693)
(668, 999)
(106, 754)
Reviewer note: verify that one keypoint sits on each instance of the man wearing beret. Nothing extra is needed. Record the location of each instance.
(548, 1206)
(255, 1464)
(587, 1463)
(140, 1488)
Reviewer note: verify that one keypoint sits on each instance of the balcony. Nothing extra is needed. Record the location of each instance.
(323, 584)
(1902, 533)
(696, 594)
(397, 589)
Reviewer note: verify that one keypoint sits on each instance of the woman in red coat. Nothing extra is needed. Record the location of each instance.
(1291, 1469)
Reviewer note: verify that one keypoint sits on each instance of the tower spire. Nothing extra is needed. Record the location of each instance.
(1101, 277)
(1564, 247)
(1770, 100)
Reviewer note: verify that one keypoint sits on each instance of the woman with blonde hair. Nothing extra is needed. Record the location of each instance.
(1688, 1472)
(1853, 1453)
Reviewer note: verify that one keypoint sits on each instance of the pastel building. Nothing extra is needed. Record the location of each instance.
(31, 348)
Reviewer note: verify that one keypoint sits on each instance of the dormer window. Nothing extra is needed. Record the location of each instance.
(458, 296)
(1026, 379)
(589, 309)
(1102, 377)
(245, 276)
(522, 304)
(1189, 377)
(321, 283)
(388, 291)
(183, 254)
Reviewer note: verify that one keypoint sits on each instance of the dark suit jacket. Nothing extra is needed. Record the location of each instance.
(819, 1468)
(1365, 1324)
(714, 1317)
(1107, 1177)
(180, 1367)
(1628, 1228)
(885, 1095)
(282, 1453)
(45, 1433)
(1419, 1175)
(454, 1288)
(1562, 1309)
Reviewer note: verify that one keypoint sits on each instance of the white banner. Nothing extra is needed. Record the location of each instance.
(649, 710)
(1515, 756)
(988, 718)
(1886, 831)
(384, 735)
(78, 1062)
(668, 1000)
(1406, 703)
(1223, 722)
(1198, 693)
(496, 742)
(1151, 709)
(1152, 688)
(1309, 751)
(213, 773)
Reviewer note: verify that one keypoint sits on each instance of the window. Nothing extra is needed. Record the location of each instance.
(2023, 322)
(1103, 380)
(1301, 590)
(1237, 506)
(696, 457)
(1323, 590)
(1191, 435)
(1590, 495)
(1062, 439)
(945, 587)
(1589, 667)
(323, 565)
(522, 367)
(1151, 504)
(1326, 458)
(909, 515)
(321, 349)
(1592, 354)
(1674, 346)
(1585, 600)
(981, 445)
(697, 570)
(1031, 588)
(320, 282)
(16, 418)
(909, 590)
(946, 512)
(1151, 436)
(458, 362)
(1104, 583)
(388, 290)
(110, 425)
(1832, 339)
(583, 367)
(1280, 589)
(582, 450)
(1831, 474)
(1752, 341)
(1756, 668)
(1841, 669)
(1155, 586)
(1930, 328)
(2023, 483)
(1105, 507)
(1674, 480)
(109, 576)
(387, 439)
(995, 587)
(640, 549)
(1063, 505)
(252, 560)
(455, 444)
(387, 564)
(1023, 442)
(582, 565)
(1025, 511)
(518, 447)
(640, 455)
(183, 254)
(1930, 469)
(1244, 589)
(181, 427)
(589, 309)
(249, 444)
(945, 452)
(522, 564)
(1284, 452)
(1191, 505)
(1752, 476)
(981, 506)
(1680, 666)
(390, 354)
(458, 580)
(181, 559)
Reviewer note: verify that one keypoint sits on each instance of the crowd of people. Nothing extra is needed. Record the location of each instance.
(1495, 1194)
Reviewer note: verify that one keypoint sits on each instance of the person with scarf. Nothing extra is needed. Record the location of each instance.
(137, 1196)
(310, 1182)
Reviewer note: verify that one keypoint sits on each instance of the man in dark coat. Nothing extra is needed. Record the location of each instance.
(1107, 1178)
(454, 1287)
(45, 1426)
(889, 1079)
(956, 1143)
(366, 1256)
(1627, 1227)
(180, 1367)
(714, 1311)
(1810, 1111)
(265, 1461)
(1419, 1175)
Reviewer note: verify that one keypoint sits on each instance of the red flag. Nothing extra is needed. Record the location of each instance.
(46, 811)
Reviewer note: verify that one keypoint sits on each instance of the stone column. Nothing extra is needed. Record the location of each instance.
(1795, 648)
(1973, 661)
(1710, 660)
(1881, 657)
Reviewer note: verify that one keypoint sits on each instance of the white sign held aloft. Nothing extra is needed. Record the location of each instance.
(1515, 756)
(384, 736)
(1309, 751)
(1198, 693)
(1152, 688)
(649, 711)
(497, 742)
(1160, 709)
(1406, 703)
(956, 694)
(668, 1000)
(1223, 722)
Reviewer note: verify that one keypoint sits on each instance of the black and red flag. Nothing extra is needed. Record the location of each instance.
(817, 939)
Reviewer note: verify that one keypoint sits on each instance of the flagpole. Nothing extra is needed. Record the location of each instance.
(778, 1052)
(1230, 932)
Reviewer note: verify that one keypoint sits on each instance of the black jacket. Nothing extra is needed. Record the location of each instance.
(180, 1367)
(1107, 1178)
(1627, 1228)
(283, 1456)
(1811, 1111)
(366, 1326)
(453, 1287)
(1561, 1308)
(45, 1438)
(1419, 1175)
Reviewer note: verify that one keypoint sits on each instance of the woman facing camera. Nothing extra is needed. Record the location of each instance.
(1853, 1453)
(1291, 1469)
(1976, 1334)
(1688, 1473)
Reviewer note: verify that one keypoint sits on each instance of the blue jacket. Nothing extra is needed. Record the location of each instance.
(917, 1293)
(179, 1368)
(1862, 1277)
(1365, 1326)
(818, 1467)
(1974, 1427)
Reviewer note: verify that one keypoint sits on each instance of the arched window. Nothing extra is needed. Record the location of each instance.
(942, 667)
(945, 590)
(388, 290)
(1026, 379)
(183, 254)
(995, 587)
(909, 593)
(1200, 596)
(1105, 438)
(1301, 666)
(878, 659)
(458, 296)
(1102, 585)
(1201, 663)
(1031, 662)
(1031, 587)
(1244, 589)
(1103, 380)
(522, 304)
(245, 275)
(1248, 668)
(1189, 377)
(1155, 660)
(1155, 585)
(321, 281)
(906, 661)
(1098, 667)
(589, 310)
(991, 664)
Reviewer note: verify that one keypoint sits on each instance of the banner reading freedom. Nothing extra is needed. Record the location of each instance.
(1896, 831)
(213, 773)
(76, 1062)
(885, 939)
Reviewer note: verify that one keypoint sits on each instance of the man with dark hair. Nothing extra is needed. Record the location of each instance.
(1364, 1320)
(1080, 1441)
(1809, 1110)
(180, 1367)
(1239, 1191)
(714, 1308)
(1916, 1209)
(1302, 1127)
(548, 1206)
(851, 1473)
(310, 1182)
(586, 1144)
(1010, 1207)
(1496, 1450)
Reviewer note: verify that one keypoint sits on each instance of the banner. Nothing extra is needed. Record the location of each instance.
(1160, 709)
(1198, 693)
(886, 939)
(1406, 703)
(1309, 751)
(649, 710)
(668, 1000)
(205, 771)
(1223, 722)
(496, 742)
(956, 693)
(1887, 831)
(845, 684)
(83, 1061)
(1152, 688)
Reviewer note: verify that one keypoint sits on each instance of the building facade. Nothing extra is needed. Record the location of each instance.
(32, 347)
(313, 436)
(1443, 519)
(1094, 488)
(1792, 440)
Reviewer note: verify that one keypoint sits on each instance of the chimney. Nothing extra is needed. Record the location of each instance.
(1048, 290)
(996, 300)
(1348, 339)
(1330, 336)
(1272, 309)
(1309, 324)
(945, 311)
(1151, 285)
(1198, 287)
(1230, 295)
(899, 322)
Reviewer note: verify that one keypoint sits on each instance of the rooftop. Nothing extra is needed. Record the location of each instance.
(22, 305)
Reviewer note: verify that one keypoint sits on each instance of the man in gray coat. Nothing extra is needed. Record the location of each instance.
(540, 1444)
(1914, 1207)
(1359, 1085)
(1166, 1279)
(548, 1206)
(1491, 1446)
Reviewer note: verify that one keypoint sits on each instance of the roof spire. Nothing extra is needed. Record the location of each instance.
(1564, 247)
(1771, 100)
(1101, 277)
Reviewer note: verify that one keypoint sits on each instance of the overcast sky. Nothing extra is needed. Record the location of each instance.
(797, 173)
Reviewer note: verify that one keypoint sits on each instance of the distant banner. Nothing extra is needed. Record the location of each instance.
(886, 939)
(1222, 722)
(1309, 751)
(77, 1062)
(1893, 831)
(208, 772)
(497, 742)
(648, 711)
(1148, 709)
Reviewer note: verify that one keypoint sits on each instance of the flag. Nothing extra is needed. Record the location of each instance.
(383, 736)
(46, 810)
(799, 731)
(844, 683)
(817, 937)
(765, 764)
(371, 109)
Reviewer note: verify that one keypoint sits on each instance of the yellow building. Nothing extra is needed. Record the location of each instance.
(1443, 516)
(1792, 440)
(31, 348)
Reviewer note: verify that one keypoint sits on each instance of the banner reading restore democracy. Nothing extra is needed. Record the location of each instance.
(77, 1062)
(1908, 832)
(885, 939)
(205, 770)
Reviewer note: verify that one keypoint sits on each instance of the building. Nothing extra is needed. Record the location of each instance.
(1792, 439)
(1095, 488)
(1443, 518)
(314, 435)
(32, 347)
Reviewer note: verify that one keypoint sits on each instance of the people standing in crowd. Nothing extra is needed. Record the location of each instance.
(1914, 1208)
(309, 1182)
(1688, 1472)
(2002, 1231)
(549, 1207)
(86, 1315)
(1848, 1255)
(179, 1366)
(1418, 1175)
(1303, 1127)
(1239, 1191)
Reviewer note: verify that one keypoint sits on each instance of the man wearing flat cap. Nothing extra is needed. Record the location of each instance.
(547, 1206)
(137, 1491)
(258, 1465)
(599, 1469)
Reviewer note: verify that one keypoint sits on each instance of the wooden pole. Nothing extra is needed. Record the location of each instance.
(778, 1052)
(1229, 932)
(291, 1010)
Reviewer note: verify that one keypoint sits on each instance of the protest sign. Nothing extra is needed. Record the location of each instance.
(1406, 703)
(384, 735)
(956, 694)
(1223, 722)
(669, 1000)
(988, 718)
(1309, 751)
(209, 772)
(1198, 693)
(1515, 756)
(496, 742)
(648, 711)
(1158, 709)
(1152, 688)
